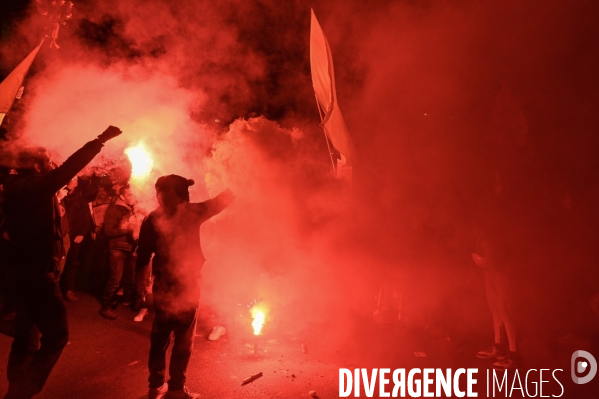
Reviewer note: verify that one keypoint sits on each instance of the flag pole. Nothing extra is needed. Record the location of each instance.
(325, 133)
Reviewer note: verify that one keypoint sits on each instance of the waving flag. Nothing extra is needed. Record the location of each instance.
(9, 88)
(323, 81)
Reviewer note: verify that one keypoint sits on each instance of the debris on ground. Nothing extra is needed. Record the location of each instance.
(251, 378)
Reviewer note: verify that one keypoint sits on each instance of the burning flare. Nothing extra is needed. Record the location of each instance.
(141, 161)
(259, 315)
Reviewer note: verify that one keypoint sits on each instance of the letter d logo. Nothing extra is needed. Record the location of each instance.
(581, 366)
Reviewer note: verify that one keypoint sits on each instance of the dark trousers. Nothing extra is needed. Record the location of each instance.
(182, 325)
(97, 264)
(67, 279)
(122, 268)
(40, 311)
(7, 279)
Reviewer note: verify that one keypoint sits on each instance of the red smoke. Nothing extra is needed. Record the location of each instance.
(416, 82)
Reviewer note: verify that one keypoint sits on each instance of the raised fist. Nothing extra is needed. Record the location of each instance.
(110, 133)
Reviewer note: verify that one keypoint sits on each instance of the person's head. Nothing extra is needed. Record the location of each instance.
(127, 196)
(102, 194)
(37, 159)
(172, 190)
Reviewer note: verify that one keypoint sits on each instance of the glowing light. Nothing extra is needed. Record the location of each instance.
(259, 316)
(141, 161)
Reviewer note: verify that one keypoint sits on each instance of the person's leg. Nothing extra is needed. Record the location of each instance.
(128, 282)
(117, 264)
(51, 320)
(25, 344)
(97, 273)
(493, 302)
(67, 281)
(497, 350)
(8, 279)
(183, 332)
(504, 299)
(160, 339)
(45, 310)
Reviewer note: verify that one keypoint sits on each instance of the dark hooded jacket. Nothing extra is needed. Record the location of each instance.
(175, 242)
(78, 214)
(32, 215)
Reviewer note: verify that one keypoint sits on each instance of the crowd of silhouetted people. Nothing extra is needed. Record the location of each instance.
(100, 224)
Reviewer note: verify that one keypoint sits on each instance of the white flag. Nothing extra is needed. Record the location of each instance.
(9, 88)
(323, 80)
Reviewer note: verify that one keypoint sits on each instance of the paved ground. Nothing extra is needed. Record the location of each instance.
(107, 359)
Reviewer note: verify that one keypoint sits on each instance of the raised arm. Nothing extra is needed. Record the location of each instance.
(215, 205)
(60, 176)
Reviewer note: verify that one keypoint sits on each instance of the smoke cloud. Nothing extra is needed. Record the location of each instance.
(220, 92)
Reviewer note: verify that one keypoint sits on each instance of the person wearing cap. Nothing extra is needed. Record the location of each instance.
(34, 232)
(172, 234)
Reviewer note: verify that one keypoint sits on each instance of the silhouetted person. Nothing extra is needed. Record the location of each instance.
(6, 264)
(494, 257)
(80, 227)
(34, 231)
(64, 227)
(172, 234)
(119, 226)
(99, 248)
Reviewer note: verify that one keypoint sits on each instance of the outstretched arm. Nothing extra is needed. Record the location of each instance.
(215, 205)
(60, 176)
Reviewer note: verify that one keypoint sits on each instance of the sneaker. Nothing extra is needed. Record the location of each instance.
(108, 313)
(157, 393)
(491, 353)
(70, 296)
(184, 393)
(217, 332)
(141, 315)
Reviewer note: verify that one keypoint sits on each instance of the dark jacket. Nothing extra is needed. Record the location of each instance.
(117, 214)
(31, 212)
(78, 214)
(175, 242)
(64, 219)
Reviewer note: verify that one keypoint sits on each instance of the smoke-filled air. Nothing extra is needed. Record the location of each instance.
(473, 122)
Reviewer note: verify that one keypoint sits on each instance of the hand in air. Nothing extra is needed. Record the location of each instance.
(110, 133)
